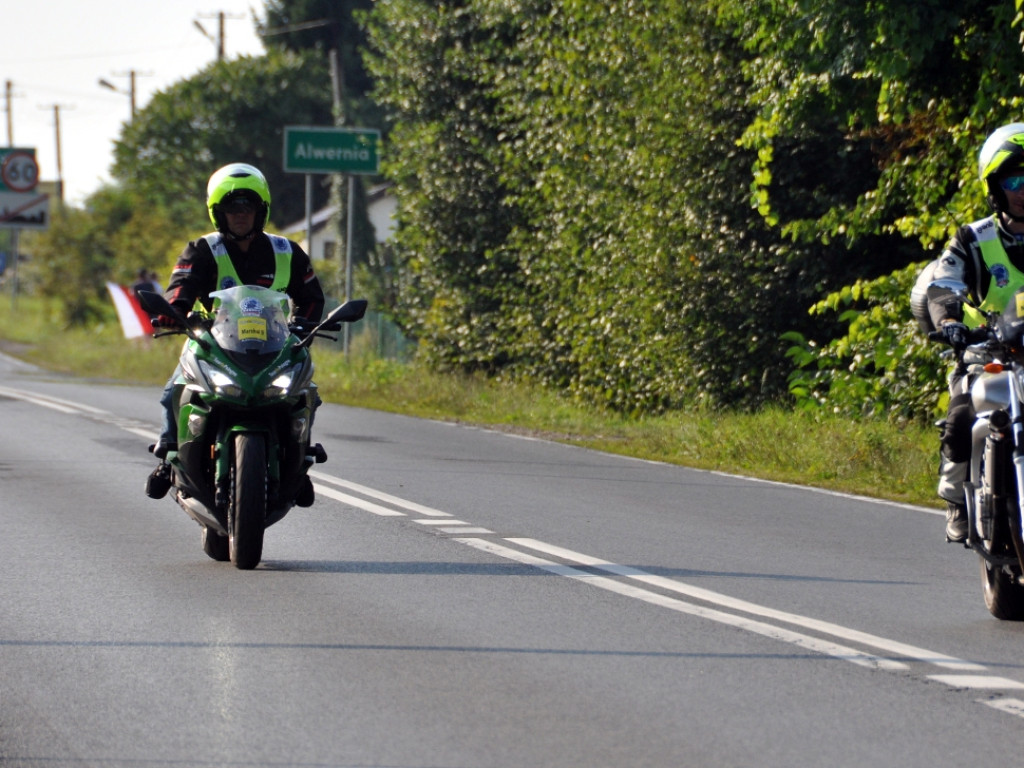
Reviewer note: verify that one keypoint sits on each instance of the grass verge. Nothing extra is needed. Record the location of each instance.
(871, 458)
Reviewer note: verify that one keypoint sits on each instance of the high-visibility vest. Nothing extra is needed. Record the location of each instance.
(227, 277)
(1005, 279)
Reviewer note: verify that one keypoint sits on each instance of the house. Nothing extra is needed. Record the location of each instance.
(381, 205)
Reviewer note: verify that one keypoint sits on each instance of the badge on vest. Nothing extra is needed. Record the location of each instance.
(1001, 275)
(227, 282)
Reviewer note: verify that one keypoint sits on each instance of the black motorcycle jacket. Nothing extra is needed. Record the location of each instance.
(962, 260)
(195, 275)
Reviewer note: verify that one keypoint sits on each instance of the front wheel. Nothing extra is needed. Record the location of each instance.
(1004, 596)
(248, 512)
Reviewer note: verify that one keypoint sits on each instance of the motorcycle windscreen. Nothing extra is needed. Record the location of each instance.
(250, 320)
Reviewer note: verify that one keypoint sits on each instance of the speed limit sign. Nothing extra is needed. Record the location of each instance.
(18, 170)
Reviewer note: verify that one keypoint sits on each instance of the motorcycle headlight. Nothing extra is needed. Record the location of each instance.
(220, 381)
(281, 385)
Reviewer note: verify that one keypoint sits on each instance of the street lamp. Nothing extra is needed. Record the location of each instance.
(130, 93)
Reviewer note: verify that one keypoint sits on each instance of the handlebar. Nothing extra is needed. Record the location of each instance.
(974, 335)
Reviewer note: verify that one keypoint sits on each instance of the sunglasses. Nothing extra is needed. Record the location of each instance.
(1012, 184)
(238, 206)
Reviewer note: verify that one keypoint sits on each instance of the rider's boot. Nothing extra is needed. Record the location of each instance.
(159, 481)
(956, 522)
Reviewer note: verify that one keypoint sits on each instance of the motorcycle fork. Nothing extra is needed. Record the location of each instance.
(994, 484)
(222, 455)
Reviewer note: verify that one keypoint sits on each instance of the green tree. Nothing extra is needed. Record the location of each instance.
(574, 203)
(114, 235)
(321, 26)
(232, 111)
(428, 62)
(909, 88)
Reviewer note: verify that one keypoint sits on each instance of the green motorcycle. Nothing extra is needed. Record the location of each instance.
(244, 402)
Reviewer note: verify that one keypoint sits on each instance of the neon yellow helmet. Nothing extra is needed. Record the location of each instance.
(234, 181)
(1002, 152)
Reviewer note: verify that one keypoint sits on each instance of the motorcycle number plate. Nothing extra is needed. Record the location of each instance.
(252, 329)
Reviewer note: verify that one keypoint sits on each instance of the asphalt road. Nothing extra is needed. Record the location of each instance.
(460, 598)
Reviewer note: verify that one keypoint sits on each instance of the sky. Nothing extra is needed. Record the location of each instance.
(55, 52)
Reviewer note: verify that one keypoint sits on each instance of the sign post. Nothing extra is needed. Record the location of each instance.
(352, 151)
(21, 205)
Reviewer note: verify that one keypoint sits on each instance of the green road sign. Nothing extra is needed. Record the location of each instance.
(310, 149)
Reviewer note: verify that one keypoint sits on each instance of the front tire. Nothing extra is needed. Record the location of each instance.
(248, 512)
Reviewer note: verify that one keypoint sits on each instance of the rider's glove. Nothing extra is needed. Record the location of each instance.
(955, 334)
(164, 321)
(302, 328)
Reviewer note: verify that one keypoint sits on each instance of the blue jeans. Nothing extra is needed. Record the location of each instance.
(168, 429)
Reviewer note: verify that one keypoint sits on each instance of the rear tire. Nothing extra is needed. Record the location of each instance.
(248, 512)
(1004, 597)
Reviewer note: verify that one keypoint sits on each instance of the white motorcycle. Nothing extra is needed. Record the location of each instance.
(994, 489)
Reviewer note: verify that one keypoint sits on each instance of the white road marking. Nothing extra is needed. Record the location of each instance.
(751, 625)
(979, 681)
(53, 403)
(441, 522)
(468, 529)
(885, 645)
(1009, 706)
(344, 498)
(412, 506)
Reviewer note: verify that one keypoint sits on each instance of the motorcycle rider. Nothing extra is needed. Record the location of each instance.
(988, 256)
(238, 253)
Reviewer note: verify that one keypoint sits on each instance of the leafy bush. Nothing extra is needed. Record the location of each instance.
(883, 366)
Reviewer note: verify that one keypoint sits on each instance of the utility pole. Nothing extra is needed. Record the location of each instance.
(60, 165)
(132, 74)
(345, 197)
(8, 95)
(220, 16)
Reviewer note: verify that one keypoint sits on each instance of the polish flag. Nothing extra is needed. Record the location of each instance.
(134, 319)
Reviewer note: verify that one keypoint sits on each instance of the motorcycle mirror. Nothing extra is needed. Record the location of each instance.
(348, 312)
(156, 304)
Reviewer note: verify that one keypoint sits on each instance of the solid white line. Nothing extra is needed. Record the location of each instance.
(51, 403)
(56, 403)
(806, 642)
(1012, 706)
(889, 646)
(379, 495)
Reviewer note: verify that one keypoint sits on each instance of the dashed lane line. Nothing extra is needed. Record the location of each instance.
(620, 578)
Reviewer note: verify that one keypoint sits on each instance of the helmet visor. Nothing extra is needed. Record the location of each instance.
(240, 202)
